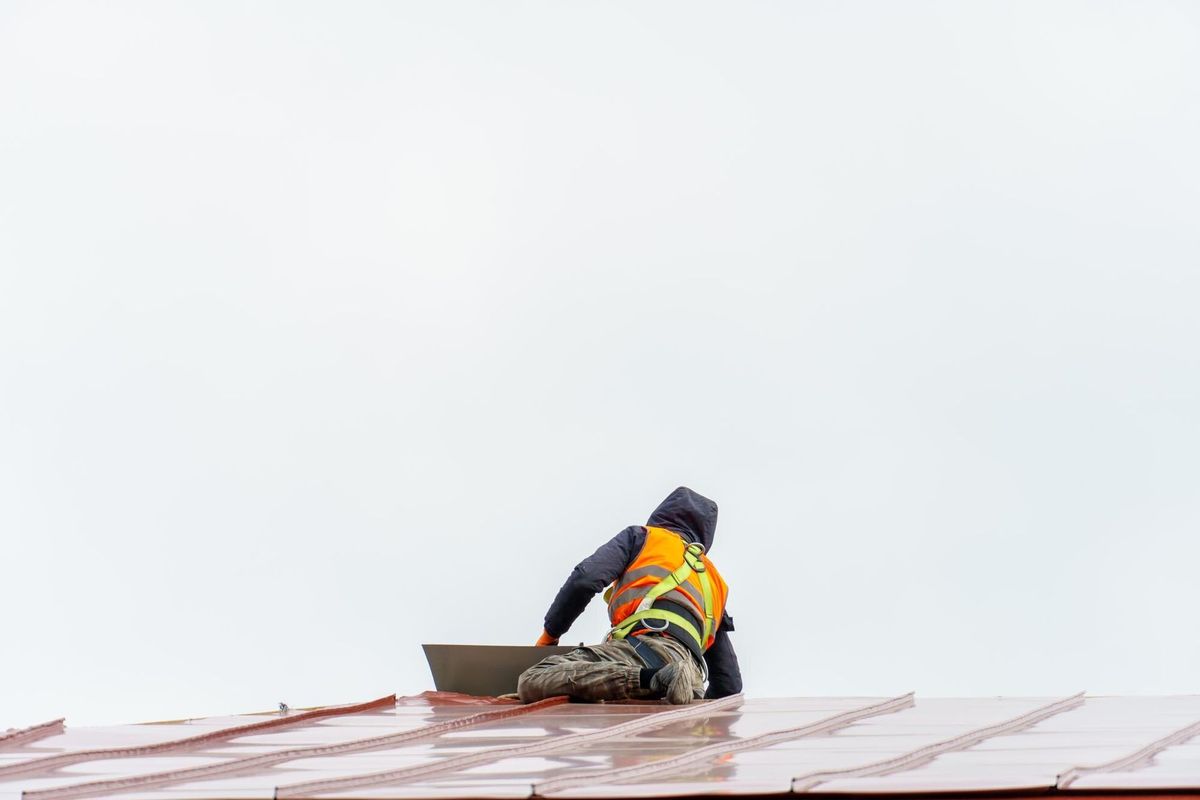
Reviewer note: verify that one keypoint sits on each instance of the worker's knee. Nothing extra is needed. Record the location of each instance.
(552, 676)
(529, 689)
(544, 679)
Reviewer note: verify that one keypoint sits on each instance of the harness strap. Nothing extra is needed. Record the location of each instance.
(693, 564)
(692, 557)
(668, 617)
(710, 624)
(672, 581)
(685, 593)
(646, 653)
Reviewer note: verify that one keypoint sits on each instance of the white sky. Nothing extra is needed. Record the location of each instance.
(330, 329)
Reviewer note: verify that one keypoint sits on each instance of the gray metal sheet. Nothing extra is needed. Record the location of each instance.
(484, 670)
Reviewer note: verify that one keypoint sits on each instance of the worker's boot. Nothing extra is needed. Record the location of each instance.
(677, 682)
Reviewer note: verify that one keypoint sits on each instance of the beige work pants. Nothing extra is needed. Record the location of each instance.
(606, 671)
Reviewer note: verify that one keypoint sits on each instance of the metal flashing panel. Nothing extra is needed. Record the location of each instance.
(442, 745)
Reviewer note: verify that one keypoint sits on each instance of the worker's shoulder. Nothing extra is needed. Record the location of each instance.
(633, 532)
(629, 540)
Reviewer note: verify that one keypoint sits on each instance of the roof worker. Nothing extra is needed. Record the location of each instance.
(666, 605)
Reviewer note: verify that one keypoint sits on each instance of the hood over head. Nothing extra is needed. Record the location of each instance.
(688, 513)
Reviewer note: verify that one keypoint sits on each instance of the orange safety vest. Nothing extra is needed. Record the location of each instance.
(673, 569)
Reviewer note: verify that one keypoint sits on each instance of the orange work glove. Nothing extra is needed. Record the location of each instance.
(545, 640)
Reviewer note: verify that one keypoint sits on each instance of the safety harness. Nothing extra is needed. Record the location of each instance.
(641, 618)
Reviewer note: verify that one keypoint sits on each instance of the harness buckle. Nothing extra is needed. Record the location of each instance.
(645, 623)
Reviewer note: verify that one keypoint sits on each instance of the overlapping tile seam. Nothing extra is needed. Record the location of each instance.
(456, 764)
(1135, 760)
(705, 755)
(52, 762)
(256, 762)
(33, 733)
(923, 755)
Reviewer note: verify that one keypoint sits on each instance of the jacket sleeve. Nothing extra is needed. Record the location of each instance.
(724, 674)
(590, 576)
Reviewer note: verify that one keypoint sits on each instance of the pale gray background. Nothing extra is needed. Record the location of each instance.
(329, 329)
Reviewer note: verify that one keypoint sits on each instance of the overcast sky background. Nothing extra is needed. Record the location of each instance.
(331, 329)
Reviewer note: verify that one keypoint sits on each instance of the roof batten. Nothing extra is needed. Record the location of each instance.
(1138, 758)
(256, 762)
(923, 755)
(458, 763)
(33, 733)
(52, 762)
(659, 769)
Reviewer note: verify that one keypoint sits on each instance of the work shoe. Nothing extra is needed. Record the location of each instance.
(677, 682)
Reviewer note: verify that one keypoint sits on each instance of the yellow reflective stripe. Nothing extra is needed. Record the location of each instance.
(673, 583)
(692, 593)
(709, 622)
(624, 584)
(616, 596)
(635, 594)
(692, 555)
(622, 630)
(684, 600)
(668, 583)
(641, 572)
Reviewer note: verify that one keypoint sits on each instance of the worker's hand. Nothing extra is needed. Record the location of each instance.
(546, 640)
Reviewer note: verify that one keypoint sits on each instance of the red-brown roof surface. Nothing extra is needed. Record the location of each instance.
(439, 745)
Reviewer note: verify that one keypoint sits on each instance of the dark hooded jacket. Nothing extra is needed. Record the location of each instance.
(689, 514)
